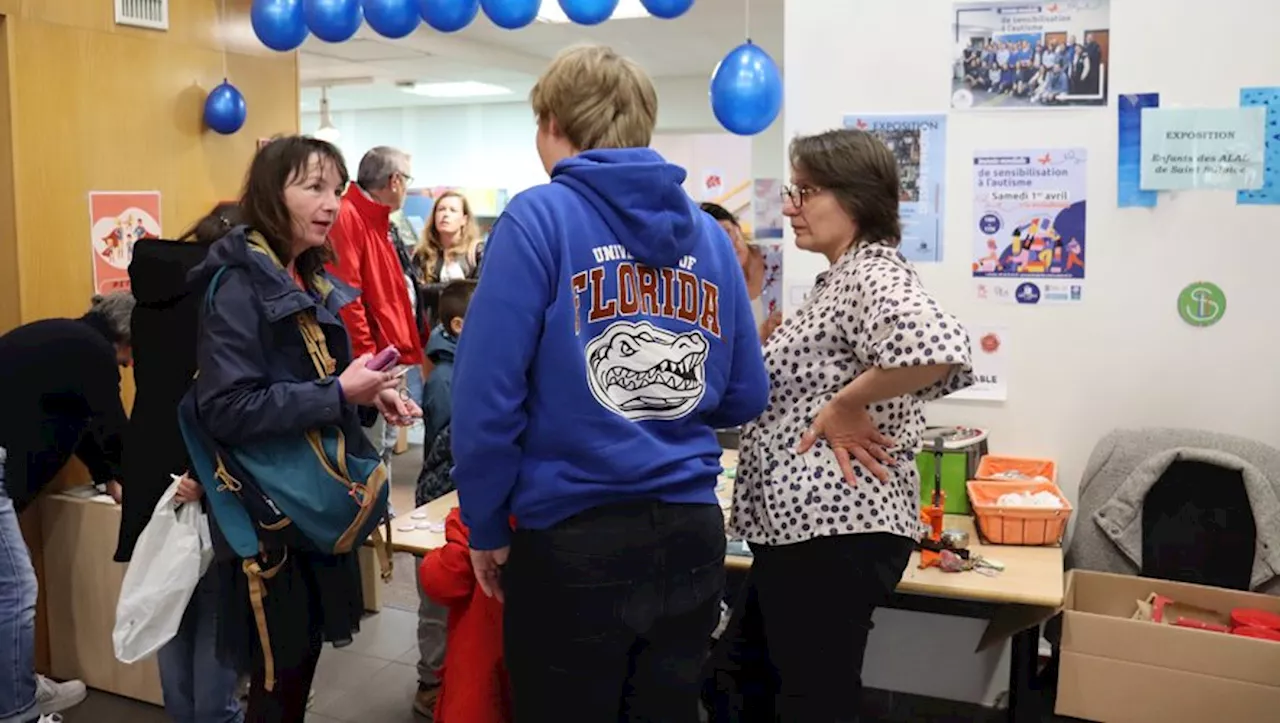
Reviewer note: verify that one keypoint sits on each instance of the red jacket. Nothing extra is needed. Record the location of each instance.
(382, 315)
(473, 680)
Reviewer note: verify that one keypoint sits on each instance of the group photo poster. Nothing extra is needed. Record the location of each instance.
(919, 144)
(1029, 242)
(1019, 55)
(117, 220)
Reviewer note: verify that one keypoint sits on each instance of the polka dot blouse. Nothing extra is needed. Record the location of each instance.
(868, 310)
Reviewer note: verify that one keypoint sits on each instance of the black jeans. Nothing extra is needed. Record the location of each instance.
(795, 643)
(608, 614)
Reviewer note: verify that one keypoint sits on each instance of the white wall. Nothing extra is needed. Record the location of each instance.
(490, 144)
(1120, 358)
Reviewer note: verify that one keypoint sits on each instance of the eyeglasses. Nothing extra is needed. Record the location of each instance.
(797, 194)
(406, 178)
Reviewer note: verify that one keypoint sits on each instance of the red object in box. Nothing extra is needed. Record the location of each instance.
(1246, 631)
(1248, 618)
(1184, 622)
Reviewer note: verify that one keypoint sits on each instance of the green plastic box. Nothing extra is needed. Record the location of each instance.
(964, 447)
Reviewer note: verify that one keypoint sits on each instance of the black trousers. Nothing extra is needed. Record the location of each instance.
(609, 613)
(794, 647)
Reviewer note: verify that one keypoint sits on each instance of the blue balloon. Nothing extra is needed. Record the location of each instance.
(746, 90)
(279, 23)
(449, 16)
(511, 14)
(588, 12)
(224, 109)
(392, 18)
(333, 21)
(667, 9)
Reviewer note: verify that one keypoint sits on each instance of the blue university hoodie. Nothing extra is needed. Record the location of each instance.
(610, 336)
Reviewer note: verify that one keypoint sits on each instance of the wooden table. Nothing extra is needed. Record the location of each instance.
(1027, 592)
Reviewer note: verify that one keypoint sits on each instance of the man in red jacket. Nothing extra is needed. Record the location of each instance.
(383, 314)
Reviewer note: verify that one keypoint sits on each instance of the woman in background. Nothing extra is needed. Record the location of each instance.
(450, 249)
(749, 258)
(197, 687)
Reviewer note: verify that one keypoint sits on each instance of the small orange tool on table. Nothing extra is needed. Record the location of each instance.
(932, 515)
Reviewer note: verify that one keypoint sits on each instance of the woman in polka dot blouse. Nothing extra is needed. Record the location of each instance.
(827, 492)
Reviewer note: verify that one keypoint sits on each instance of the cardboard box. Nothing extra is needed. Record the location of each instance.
(1120, 670)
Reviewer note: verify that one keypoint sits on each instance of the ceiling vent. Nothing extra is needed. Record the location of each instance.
(151, 14)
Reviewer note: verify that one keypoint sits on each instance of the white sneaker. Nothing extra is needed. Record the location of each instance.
(51, 718)
(52, 697)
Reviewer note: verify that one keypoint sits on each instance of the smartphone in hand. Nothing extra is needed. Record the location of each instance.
(384, 359)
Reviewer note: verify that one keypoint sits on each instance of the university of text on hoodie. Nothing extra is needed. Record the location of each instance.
(611, 334)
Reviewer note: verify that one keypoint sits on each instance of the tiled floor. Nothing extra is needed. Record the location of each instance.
(371, 681)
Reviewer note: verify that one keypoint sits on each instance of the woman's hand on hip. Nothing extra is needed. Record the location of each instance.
(362, 385)
(852, 434)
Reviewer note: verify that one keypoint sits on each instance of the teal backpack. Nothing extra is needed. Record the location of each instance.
(305, 491)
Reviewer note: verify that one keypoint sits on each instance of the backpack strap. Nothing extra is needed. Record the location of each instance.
(257, 593)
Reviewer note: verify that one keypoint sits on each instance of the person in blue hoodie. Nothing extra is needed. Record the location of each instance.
(608, 339)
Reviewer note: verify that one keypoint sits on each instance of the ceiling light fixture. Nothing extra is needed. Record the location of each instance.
(550, 12)
(460, 89)
(327, 131)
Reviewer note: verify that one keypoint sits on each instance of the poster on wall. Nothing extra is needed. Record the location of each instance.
(990, 352)
(919, 144)
(1202, 148)
(766, 210)
(1012, 54)
(117, 219)
(1269, 192)
(711, 186)
(1129, 193)
(769, 300)
(1029, 225)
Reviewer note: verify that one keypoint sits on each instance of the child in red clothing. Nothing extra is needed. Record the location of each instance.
(473, 680)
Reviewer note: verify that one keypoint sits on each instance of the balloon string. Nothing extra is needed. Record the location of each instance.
(224, 39)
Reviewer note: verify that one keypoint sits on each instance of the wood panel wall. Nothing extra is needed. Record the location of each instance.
(86, 105)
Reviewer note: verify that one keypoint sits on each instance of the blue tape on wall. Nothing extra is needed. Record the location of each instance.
(1129, 193)
(1270, 191)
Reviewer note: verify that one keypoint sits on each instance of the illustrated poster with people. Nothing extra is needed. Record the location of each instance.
(1015, 55)
(1029, 242)
(116, 221)
(919, 144)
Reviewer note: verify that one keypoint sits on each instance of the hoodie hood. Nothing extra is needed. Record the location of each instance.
(246, 249)
(442, 345)
(639, 196)
(159, 267)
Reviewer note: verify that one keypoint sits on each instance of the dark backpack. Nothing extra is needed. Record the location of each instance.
(435, 480)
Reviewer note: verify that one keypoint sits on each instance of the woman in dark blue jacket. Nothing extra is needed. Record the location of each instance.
(256, 379)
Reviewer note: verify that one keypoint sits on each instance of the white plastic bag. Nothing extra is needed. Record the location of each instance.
(171, 556)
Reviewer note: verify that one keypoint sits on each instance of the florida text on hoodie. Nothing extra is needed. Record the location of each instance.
(610, 335)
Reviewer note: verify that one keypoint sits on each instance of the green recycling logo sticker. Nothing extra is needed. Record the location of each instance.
(1202, 304)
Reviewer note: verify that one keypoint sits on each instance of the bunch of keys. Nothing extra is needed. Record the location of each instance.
(951, 562)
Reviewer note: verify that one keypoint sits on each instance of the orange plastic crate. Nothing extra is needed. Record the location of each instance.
(991, 467)
(1007, 525)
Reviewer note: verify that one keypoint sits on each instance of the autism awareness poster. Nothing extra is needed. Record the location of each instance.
(1029, 244)
(919, 144)
(116, 222)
